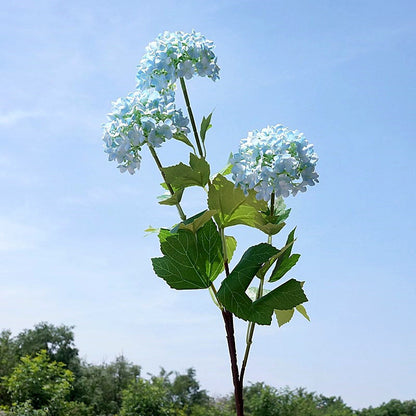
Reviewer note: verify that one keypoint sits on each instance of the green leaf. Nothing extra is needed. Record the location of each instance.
(270, 228)
(173, 199)
(286, 296)
(301, 309)
(265, 268)
(227, 169)
(285, 261)
(232, 293)
(234, 296)
(233, 206)
(197, 222)
(205, 126)
(201, 166)
(274, 222)
(285, 265)
(231, 245)
(181, 175)
(164, 186)
(284, 316)
(152, 230)
(187, 221)
(280, 208)
(164, 233)
(190, 261)
(182, 138)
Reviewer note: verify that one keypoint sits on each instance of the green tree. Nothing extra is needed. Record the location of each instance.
(147, 398)
(213, 408)
(186, 391)
(264, 400)
(8, 360)
(40, 384)
(392, 408)
(57, 341)
(100, 386)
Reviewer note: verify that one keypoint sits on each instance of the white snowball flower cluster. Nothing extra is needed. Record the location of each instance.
(176, 54)
(144, 116)
(274, 159)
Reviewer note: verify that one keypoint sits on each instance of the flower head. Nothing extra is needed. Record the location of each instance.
(176, 54)
(274, 159)
(144, 116)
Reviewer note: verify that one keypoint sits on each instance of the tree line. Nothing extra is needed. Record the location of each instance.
(41, 374)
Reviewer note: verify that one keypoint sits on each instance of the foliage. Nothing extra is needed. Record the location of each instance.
(57, 341)
(392, 408)
(186, 392)
(8, 360)
(100, 386)
(39, 384)
(146, 398)
(264, 400)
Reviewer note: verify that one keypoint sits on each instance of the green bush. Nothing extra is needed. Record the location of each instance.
(39, 387)
(146, 398)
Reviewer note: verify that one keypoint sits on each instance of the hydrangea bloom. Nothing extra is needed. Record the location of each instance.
(274, 159)
(176, 54)
(144, 116)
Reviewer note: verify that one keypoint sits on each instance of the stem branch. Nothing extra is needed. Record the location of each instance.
(191, 116)
(170, 189)
(259, 294)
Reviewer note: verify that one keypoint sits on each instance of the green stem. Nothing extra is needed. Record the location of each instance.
(191, 116)
(250, 333)
(213, 293)
(259, 294)
(170, 189)
(224, 252)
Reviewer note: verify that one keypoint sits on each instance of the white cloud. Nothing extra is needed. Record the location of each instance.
(101, 195)
(18, 236)
(12, 117)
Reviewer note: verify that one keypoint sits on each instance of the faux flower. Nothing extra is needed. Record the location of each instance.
(274, 159)
(176, 54)
(144, 116)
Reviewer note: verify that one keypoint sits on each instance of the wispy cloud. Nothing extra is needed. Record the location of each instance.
(18, 236)
(12, 117)
(100, 195)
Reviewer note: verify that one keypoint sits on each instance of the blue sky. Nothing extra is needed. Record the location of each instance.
(72, 245)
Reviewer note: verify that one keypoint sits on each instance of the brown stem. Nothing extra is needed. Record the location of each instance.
(238, 386)
(272, 203)
(229, 329)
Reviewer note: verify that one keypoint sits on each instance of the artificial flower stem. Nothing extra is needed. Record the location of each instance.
(259, 294)
(191, 116)
(224, 251)
(213, 293)
(250, 333)
(272, 200)
(229, 329)
(170, 189)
